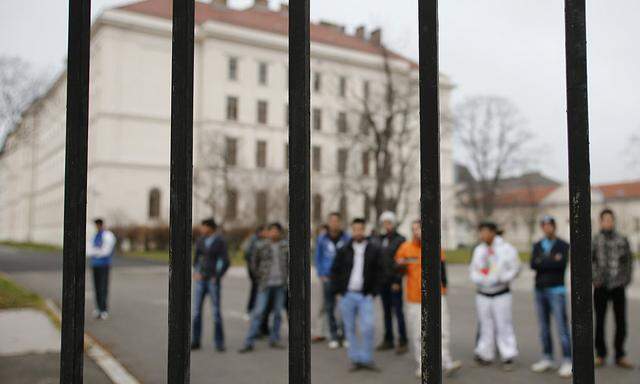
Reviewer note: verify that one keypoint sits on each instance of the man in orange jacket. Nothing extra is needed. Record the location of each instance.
(409, 259)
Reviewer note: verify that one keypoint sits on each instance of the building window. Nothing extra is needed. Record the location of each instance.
(343, 86)
(365, 90)
(317, 119)
(262, 112)
(261, 154)
(261, 207)
(342, 161)
(342, 122)
(233, 68)
(317, 82)
(344, 208)
(317, 208)
(263, 73)
(364, 124)
(232, 108)
(317, 158)
(231, 207)
(231, 152)
(154, 203)
(365, 163)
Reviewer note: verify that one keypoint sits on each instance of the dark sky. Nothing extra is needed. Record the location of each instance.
(511, 48)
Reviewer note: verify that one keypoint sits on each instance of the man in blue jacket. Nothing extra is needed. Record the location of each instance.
(326, 247)
(210, 263)
(101, 249)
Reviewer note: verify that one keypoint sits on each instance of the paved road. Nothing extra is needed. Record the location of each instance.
(136, 332)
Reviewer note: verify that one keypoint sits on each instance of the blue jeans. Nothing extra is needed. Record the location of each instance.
(552, 302)
(354, 307)
(392, 305)
(262, 299)
(201, 289)
(329, 298)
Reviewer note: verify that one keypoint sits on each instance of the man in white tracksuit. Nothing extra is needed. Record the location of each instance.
(494, 266)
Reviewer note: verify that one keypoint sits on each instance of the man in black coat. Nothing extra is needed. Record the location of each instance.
(357, 274)
(210, 263)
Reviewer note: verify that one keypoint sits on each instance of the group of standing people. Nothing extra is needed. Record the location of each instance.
(354, 268)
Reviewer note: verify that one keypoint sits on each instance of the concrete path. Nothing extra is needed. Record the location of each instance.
(136, 331)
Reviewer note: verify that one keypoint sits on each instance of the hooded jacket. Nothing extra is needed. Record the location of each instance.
(494, 267)
(612, 260)
(326, 251)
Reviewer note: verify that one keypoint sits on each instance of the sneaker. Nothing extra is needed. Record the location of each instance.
(480, 361)
(453, 368)
(246, 317)
(344, 344)
(318, 339)
(401, 349)
(221, 348)
(566, 370)
(355, 367)
(246, 349)
(624, 363)
(195, 346)
(599, 362)
(508, 365)
(385, 346)
(104, 315)
(276, 345)
(96, 314)
(543, 365)
(333, 344)
(372, 367)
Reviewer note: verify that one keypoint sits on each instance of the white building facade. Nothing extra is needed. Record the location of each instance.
(240, 124)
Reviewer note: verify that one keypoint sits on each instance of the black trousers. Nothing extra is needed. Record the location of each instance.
(101, 286)
(601, 298)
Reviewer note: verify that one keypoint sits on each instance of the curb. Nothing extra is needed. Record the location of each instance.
(103, 358)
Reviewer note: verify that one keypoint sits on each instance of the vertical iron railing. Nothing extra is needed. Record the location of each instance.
(299, 194)
(430, 192)
(180, 192)
(75, 193)
(579, 191)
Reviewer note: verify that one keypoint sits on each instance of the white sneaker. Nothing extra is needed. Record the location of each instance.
(345, 344)
(104, 315)
(542, 366)
(453, 368)
(246, 317)
(566, 370)
(96, 314)
(333, 344)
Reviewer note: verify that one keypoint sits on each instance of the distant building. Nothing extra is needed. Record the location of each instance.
(240, 124)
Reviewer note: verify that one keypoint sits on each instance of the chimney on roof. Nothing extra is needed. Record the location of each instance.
(376, 37)
(261, 4)
(284, 8)
(334, 26)
(219, 3)
(360, 31)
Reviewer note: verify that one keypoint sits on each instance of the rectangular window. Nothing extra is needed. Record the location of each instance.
(343, 86)
(317, 158)
(231, 207)
(317, 82)
(261, 154)
(233, 68)
(232, 108)
(364, 125)
(317, 119)
(262, 112)
(231, 151)
(344, 208)
(261, 207)
(342, 161)
(263, 73)
(365, 163)
(317, 208)
(342, 122)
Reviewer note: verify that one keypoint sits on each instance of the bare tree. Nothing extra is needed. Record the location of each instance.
(386, 138)
(20, 84)
(492, 135)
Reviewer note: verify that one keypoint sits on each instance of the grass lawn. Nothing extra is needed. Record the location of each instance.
(237, 258)
(14, 296)
(32, 246)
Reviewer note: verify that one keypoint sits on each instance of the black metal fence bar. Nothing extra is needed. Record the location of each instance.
(180, 193)
(75, 192)
(430, 192)
(579, 191)
(299, 194)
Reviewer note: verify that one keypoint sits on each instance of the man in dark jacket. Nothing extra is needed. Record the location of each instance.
(270, 265)
(549, 259)
(612, 270)
(357, 274)
(391, 292)
(210, 263)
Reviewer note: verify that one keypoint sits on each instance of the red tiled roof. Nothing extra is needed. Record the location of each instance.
(262, 20)
(619, 190)
(524, 196)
